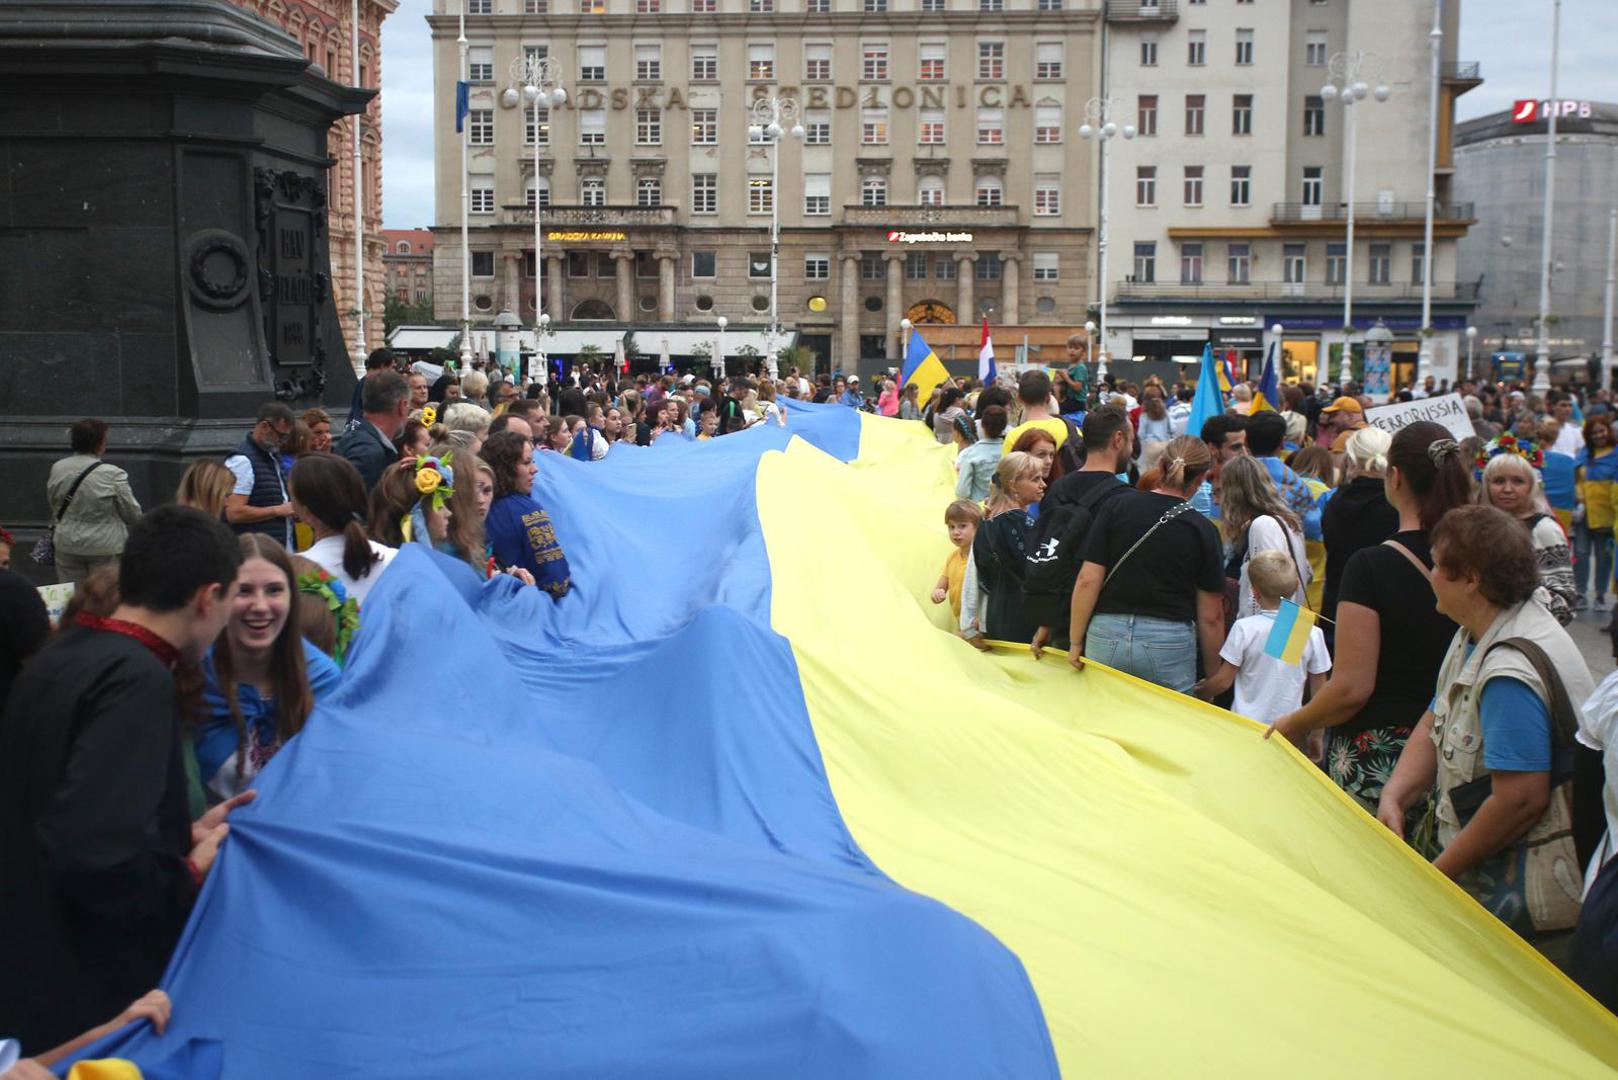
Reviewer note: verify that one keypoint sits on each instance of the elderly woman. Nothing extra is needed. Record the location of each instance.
(1493, 741)
(1511, 484)
(470, 418)
(90, 502)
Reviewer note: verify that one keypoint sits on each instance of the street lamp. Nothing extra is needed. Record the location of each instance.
(1435, 46)
(719, 348)
(771, 118)
(1351, 73)
(540, 78)
(1471, 340)
(1100, 361)
(1099, 125)
(905, 326)
(1542, 350)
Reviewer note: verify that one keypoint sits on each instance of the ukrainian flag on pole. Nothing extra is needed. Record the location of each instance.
(1208, 401)
(922, 367)
(1268, 395)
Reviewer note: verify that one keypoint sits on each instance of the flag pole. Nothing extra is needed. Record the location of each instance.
(466, 197)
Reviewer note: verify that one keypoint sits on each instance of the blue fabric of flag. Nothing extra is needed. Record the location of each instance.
(1208, 401)
(463, 105)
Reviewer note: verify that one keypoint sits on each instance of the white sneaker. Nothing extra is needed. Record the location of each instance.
(1602, 604)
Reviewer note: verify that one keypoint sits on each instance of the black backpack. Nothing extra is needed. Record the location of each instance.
(1052, 563)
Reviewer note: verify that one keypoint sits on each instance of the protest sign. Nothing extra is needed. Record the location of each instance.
(1446, 409)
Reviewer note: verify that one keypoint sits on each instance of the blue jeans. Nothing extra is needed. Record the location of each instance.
(1162, 651)
(1592, 550)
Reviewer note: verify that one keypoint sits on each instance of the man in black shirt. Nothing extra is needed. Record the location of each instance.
(101, 860)
(730, 406)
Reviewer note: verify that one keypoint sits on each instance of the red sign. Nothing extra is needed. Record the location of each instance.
(1527, 111)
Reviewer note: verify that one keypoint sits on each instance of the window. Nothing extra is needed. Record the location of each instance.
(1241, 114)
(1336, 264)
(944, 268)
(705, 193)
(704, 63)
(578, 264)
(817, 127)
(535, 53)
(874, 62)
(704, 7)
(761, 7)
(483, 264)
(874, 191)
(1146, 185)
(990, 191)
(817, 7)
(817, 193)
(592, 7)
(479, 64)
(1148, 52)
(1145, 261)
(649, 63)
(593, 192)
(871, 267)
(876, 6)
(1241, 185)
(1048, 60)
(991, 5)
(1294, 264)
(592, 63)
(930, 191)
(1195, 105)
(1049, 5)
(1314, 48)
(874, 126)
(932, 5)
(990, 268)
(1047, 195)
(1381, 264)
(480, 127)
(817, 266)
(761, 61)
(537, 127)
(1314, 185)
(933, 57)
(1047, 124)
(758, 264)
(1146, 114)
(704, 127)
(480, 7)
(402, 247)
(703, 264)
(648, 7)
(991, 127)
(542, 189)
(817, 63)
(483, 196)
(648, 127)
(648, 191)
(1047, 266)
(1196, 48)
(1239, 264)
(536, 7)
(1314, 115)
(1418, 262)
(915, 266)
(930, 127)
(1190, 264)
(592, 127)
(1193, 185)
(991, 60)
(1244, 48)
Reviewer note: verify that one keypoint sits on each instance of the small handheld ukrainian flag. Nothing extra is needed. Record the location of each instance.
(921, 367)
(1290, 634)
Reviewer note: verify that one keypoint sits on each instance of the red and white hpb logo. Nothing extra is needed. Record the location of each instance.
(1524, 112)
(893, 237)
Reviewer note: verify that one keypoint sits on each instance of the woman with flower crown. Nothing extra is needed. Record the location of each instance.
(420, 501)
(1509, 480)
(519, 530)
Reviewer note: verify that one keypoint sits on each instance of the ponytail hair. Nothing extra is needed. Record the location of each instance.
(331, 490)
(1429, 463)
(995, 420)
(1185, 461)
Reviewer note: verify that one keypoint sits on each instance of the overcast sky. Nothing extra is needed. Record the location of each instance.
(1510, 38)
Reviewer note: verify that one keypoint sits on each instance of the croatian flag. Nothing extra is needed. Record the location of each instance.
(986, 369)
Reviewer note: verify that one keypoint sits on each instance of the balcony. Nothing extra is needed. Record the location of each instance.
(1142, 11)
(1282, 291)
(596, 217)
(1308, 213)
(933, 218)
(1462, 74)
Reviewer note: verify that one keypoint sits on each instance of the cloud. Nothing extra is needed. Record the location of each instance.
(1512, 40)
(407, 117)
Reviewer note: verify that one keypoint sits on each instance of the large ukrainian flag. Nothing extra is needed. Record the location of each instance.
(741, 806)
(922, 366)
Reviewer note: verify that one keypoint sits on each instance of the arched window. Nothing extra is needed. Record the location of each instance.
(649, 191)
(598, 310)
(991, 191)
(593, 191)
(403, 247)
(931, 191)
(544, 188)
(873, 191)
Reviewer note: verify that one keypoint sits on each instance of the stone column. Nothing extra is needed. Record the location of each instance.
(895, 304)
(849, 359)
(1010, 287)
(513, 301)
(965, 267)
(624, 263)
(666, 263)
(554, 301)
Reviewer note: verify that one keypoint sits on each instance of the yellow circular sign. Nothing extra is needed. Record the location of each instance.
(817, 304)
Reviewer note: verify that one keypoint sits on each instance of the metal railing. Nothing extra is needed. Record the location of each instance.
(1142, 10)
(1461, 70)
(596, 216)
(930, 218)
(1369, 211)
(1289, 290)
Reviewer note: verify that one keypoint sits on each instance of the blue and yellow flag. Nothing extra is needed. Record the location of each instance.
(922, 366)
(1209, 401)
(1290, 634)
(1268, 395)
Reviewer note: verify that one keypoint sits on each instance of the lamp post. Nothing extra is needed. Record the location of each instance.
(1471, 340)
(1280, 360)
(905, 326)
(1435, 44)
(359, 193)
(1100, 361)
(1098, 125)
(1352, 70)
(1542, 350)
(540, 80)
(773, 117)
(466, 207)
(719, 347)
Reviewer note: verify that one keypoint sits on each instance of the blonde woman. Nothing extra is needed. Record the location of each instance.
(1511, 484)
(205, 486)
(991, 595)
(1358, 514)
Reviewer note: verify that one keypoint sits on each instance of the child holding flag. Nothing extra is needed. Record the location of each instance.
(1269, 681)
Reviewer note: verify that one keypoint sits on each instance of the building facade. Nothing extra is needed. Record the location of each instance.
(407, 263)
(938, 179)
(1227, 210)
(325, 29)
(1502, 170)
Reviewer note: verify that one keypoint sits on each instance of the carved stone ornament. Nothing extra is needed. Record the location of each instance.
(293, 284)
(932, 167)
(874, 166)
(989, 167)
(217, 269)
(648, 166)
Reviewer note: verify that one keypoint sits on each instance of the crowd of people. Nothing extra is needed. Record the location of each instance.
(1440, 689)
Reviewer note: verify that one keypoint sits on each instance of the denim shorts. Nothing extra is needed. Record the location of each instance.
(1163, 651)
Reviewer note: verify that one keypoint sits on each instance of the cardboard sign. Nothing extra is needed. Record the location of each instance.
(56, 598)
(1448, 410)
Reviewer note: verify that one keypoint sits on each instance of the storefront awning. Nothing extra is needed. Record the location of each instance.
(421, 338)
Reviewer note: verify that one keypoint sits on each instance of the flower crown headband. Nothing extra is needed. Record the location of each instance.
(1508, 443)
(435, 481)
(345, 610)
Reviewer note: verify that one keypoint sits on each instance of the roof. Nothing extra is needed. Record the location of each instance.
(1603, 120)
(420, 241)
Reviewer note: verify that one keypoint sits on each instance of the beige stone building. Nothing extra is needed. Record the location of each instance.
(939, 177)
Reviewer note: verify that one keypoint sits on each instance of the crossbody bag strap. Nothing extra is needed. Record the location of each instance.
(1407, 553)
(61, 511)
(1564, 720)
(1168, 515)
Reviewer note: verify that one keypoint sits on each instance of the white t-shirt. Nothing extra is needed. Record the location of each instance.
(1569, 441)
(1266, 688)
(328, 555)
(1268, 534)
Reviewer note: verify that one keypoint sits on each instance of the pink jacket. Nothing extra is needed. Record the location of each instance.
(888, 403)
